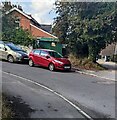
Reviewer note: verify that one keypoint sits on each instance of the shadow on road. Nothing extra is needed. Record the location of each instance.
(37, 66)
(60, 71)
(19, 108)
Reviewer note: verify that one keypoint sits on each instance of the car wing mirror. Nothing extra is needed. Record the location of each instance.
(66, 56)
(47, 57)
(5, 49)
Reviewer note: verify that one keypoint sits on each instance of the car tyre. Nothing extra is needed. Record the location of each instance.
(31, 63)
(51, 67)
(10, 59)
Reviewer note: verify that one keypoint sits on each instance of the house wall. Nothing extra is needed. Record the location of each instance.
(37, 32)
(25, 23)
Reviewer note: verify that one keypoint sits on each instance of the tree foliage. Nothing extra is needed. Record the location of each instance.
(11, 31)
(87, 27)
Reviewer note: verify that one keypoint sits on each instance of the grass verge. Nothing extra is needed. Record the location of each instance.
(84, 63)
(6, 110)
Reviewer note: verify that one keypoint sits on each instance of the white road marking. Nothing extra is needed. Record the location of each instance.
(56, 93)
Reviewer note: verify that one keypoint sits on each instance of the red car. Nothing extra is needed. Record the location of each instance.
(49, 58)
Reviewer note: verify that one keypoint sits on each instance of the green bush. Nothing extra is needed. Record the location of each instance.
(84, 63)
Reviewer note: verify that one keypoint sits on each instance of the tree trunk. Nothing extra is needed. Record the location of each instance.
(92, 53)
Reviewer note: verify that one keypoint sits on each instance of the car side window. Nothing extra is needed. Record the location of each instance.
(7, 47)
(36, 52)
(43, 53)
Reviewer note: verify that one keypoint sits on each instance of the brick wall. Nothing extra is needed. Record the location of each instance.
(24, 21)
(39, 32)
(26, 24)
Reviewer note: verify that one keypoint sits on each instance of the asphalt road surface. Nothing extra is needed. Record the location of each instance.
(94, 96)
(36, 101)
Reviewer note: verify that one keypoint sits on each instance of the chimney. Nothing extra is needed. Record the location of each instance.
(20, 7)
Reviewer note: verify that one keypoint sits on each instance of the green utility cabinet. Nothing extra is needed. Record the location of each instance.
(50, 43)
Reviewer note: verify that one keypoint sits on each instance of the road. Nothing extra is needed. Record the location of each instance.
(95, 96)
(36, 101)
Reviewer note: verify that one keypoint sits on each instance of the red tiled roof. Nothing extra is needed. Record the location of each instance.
(109, 50)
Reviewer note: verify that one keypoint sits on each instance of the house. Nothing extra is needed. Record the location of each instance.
(109, 51)
(40, 32)
(47, 28)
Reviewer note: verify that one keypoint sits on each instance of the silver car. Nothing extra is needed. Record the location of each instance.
(12, 53)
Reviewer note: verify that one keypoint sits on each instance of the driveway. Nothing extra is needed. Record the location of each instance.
(108, 65)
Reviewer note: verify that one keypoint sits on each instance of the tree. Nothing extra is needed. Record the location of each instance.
(90, 26)
(22, 37)
(61, 20)
(11, 31)
(8, 5)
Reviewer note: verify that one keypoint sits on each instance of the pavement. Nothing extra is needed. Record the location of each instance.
(109, 74)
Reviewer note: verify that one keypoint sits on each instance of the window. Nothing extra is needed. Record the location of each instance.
(43, 53)
(55, 54)
(13, 47)
(8, 48)
(17, 21)
(36, 52)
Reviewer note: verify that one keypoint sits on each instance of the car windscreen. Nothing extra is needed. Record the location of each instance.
(13, 47)
(55, 54)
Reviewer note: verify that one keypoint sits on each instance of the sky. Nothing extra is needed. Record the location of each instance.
(41, 10)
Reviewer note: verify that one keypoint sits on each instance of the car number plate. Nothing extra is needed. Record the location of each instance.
(67, 67)
(26, 58)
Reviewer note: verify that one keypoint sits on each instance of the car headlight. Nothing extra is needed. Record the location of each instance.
(18, 55)
(58, 61)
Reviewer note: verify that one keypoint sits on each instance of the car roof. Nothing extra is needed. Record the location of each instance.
(47, 50)
(5, 42)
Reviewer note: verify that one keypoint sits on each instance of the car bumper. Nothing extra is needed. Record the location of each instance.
(21, 59)
(63, 67)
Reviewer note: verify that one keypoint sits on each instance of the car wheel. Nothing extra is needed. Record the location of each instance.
(10, 59)
(31, 63)
(51, 67)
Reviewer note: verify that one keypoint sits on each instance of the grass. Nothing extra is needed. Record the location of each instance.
(14, 107)
(84, 63)
(6, 110)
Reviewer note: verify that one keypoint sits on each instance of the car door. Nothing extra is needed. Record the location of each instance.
(7, 51)
(3, 53)
(43, 58)
(1, 50)
(36, 57)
